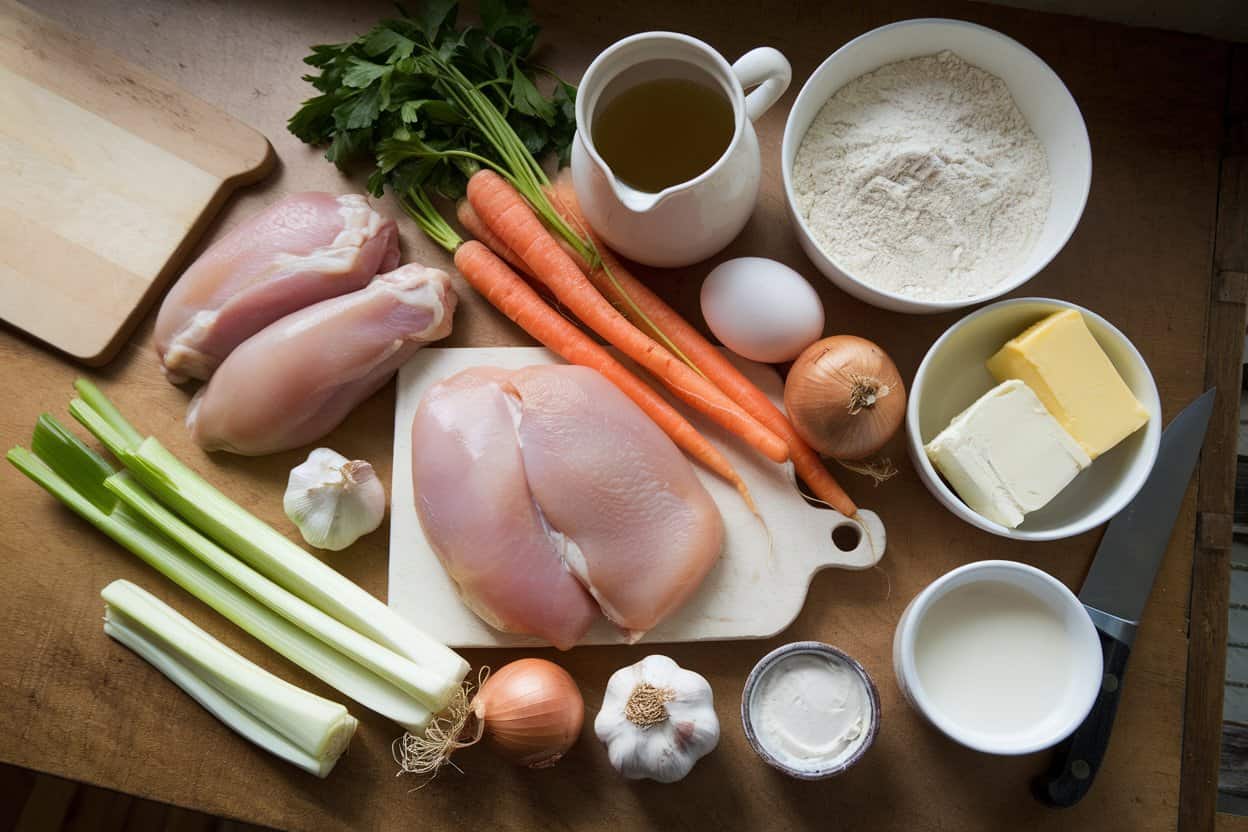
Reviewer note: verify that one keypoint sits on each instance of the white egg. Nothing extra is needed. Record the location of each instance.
(762, 310)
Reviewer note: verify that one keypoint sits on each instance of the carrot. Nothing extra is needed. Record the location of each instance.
(474, 225)
(709, 360)
(511, 219)
(508, 293)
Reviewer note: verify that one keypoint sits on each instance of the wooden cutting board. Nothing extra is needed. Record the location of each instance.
(109, 174)
(755, 591)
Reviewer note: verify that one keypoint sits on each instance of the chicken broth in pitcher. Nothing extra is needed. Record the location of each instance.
(663, 132)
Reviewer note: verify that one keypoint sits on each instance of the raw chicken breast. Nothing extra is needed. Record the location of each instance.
(303, 249)
(297, 379)
(474, 502)
(524, 479)
(608, 478)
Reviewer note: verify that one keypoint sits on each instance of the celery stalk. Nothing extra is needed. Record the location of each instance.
(289, 722)
(263, 548)
(94, 398)
(401, 672)
(71, 471)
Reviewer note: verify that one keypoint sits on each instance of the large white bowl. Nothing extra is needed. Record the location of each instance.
(952, 376)
(1041, 97)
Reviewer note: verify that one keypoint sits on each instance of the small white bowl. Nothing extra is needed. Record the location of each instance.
(1086, 662)
(1041, 97)
(859, 746)
(952, 376)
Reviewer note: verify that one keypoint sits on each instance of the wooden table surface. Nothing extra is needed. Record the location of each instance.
(76, 704)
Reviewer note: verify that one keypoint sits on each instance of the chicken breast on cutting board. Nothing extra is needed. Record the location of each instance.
(297, 379)
(538, 486)
(473, 498)
(301, 250)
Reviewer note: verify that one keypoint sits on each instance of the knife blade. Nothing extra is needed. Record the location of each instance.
(1116, 591)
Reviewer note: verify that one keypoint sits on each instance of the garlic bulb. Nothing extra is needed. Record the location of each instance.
(657, 720)
(334, 501)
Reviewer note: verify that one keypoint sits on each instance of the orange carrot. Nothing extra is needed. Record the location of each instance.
(710, 360)
(508, 293)
(511, 219)
(476, 227)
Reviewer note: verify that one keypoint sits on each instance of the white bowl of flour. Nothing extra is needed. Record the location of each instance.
(934, 164)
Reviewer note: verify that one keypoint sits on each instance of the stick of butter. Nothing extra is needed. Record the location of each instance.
(1006, 455)
(1060, 360)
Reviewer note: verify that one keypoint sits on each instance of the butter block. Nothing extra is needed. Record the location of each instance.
(1006, 455)
(1060, 360)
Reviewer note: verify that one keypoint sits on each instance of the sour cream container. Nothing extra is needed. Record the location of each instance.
(810, 710)
(999, 656)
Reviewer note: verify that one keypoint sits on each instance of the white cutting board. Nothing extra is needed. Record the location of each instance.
(755, 591)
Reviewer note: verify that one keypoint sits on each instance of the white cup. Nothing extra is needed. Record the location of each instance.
(1068, 710)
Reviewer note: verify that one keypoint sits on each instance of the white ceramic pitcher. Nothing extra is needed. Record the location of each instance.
(690, 221)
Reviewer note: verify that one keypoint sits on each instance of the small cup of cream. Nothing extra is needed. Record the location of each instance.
(810, 710)
(999, 656)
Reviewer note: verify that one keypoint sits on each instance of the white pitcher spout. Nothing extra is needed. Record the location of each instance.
(638, 202)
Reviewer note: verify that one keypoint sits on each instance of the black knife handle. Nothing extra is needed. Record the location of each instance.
(1078, 758)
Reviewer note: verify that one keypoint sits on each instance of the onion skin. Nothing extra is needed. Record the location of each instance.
(845, 397)
(532, 711)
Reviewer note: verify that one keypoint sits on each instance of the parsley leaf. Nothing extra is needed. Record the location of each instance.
(526, 98)
(361, 73)
(509, 24)
(387, 42)
(421, 109)
(435, 15)
(347, 146)
(314, 122)
(358, 111)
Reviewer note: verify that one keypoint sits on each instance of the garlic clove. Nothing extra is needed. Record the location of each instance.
(334, 501)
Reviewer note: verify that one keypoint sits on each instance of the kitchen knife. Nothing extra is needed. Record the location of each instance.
(1116, 590)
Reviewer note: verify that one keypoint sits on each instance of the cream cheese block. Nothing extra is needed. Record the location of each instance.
(1064, 365)
(1006, 455)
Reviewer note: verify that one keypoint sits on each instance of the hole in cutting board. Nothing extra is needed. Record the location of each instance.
(846, 536)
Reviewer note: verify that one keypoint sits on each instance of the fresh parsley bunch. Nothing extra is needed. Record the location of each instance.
(429, 102)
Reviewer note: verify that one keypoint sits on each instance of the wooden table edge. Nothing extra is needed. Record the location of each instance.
(1211, 555)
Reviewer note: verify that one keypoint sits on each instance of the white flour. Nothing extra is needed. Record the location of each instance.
(923, 178)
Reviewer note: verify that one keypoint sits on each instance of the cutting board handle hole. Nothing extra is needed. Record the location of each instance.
(846, 536)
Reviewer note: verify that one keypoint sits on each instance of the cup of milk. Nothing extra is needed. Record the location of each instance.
(999, 656)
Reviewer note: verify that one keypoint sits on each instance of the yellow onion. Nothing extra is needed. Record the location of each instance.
(532, 712)
(845, 397)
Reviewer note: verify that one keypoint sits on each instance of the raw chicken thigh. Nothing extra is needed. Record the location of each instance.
(297, 379)
(303, 249)
(540, 485)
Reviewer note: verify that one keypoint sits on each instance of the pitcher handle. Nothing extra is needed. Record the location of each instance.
(766, 69)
